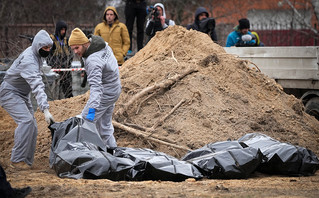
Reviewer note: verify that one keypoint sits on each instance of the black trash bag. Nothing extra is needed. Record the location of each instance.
(282, 158)
(225, 160)
(153, 165)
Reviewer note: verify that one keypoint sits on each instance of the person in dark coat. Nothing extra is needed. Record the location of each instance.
(61, 57)
(157, 21)
(203, 23)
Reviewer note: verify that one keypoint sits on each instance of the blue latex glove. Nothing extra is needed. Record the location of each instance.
(91, 114)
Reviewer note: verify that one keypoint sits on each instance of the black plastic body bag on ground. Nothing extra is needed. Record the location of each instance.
(254, 151)
(282, 158)
(225, 160)
(77, 151)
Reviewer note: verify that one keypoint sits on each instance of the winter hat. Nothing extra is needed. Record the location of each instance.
(77, 37)
(243, 24)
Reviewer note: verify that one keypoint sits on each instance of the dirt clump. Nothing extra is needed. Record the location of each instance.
(185, 90)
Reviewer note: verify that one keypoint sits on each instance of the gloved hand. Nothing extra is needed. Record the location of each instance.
(48, 117)
(91, 114)
(246, 37)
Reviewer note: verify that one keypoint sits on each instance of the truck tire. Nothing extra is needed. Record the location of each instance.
(312, 107)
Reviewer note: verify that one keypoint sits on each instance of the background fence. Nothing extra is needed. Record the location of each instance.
(12, 42)
(277, 35)
(13, 38)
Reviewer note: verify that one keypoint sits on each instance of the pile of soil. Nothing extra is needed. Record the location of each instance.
(201, 95)
(224, 99)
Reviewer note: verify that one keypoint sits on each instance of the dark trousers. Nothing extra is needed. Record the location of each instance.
(136, 10)
(5, 187)
(66, 83)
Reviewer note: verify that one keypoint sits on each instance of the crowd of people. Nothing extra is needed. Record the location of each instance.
(148, 20)
(101, 54)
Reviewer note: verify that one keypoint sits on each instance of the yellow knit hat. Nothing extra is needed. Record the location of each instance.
(77, 37)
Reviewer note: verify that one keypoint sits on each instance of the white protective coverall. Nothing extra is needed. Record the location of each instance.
(22, 78)
(105, 88)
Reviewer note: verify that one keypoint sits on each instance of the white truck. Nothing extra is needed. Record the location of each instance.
(296, 69)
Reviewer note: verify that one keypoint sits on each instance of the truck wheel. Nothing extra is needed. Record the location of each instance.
(312, 107)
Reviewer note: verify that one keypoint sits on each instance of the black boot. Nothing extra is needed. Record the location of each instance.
(20, 192)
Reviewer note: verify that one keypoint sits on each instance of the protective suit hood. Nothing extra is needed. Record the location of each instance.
(41, 39)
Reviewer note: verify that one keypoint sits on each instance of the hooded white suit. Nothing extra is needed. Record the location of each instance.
(105, 87)
(24, 77)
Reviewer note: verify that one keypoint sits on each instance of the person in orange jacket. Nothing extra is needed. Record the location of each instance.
(114, 33)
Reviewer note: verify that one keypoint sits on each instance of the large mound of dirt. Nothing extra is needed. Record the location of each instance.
(223, 97)
(184, 90)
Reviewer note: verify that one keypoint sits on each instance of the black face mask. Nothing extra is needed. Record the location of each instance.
(43, 53)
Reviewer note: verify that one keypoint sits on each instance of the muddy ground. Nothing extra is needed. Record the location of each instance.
(200, 95)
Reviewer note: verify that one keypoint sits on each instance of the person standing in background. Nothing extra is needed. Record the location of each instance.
(241, 36)
(203, 23)
(157, 21)
(114, 33)
(61, 57)
(135, 9)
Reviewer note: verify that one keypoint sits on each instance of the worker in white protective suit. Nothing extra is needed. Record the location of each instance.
(22, 78)
(104, 80)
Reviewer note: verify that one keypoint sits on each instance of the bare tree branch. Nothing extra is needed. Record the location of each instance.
(164, 84)
(315, 4)
(300, 18)
(146, 136)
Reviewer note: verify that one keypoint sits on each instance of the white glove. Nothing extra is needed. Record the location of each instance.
(48, 117)
(246, 37)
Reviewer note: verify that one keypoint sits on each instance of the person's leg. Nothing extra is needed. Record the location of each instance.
(5, 188)
(7, 191)
(141, 14)
(105, 127)
(103, 122)
(61, 86)
(32, 141)
(20, 109)
(67, 84)
(103, 114)
(130, 18)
